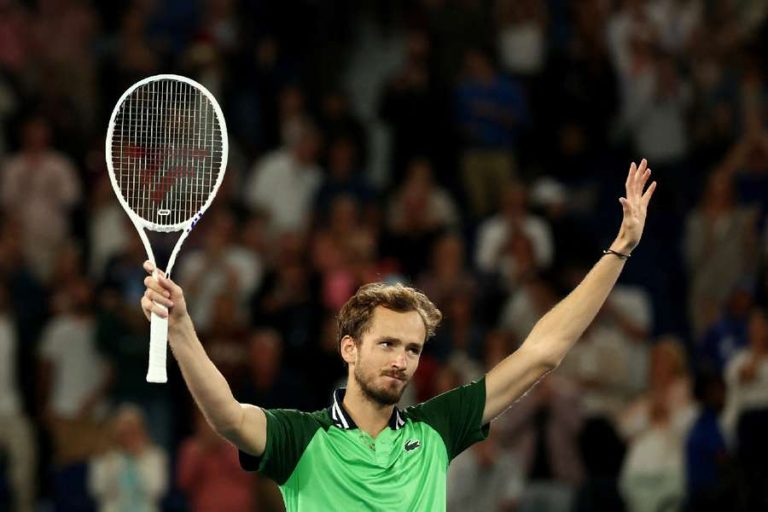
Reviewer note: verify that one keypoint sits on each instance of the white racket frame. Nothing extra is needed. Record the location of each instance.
(158, 340)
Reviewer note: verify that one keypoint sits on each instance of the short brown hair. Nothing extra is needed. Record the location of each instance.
(354, 318)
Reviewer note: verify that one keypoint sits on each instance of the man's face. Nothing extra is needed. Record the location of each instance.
(388, 354)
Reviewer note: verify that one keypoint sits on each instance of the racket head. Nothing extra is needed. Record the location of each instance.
(166, 151)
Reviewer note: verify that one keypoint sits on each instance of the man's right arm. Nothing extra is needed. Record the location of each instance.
(243, 425)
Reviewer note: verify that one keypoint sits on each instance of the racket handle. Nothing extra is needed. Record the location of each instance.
(158, 342)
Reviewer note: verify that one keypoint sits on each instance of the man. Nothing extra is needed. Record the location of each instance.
(362, 452)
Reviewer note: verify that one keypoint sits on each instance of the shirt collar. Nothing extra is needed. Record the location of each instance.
(344, 421)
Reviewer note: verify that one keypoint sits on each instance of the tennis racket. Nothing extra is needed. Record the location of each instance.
(166, 152)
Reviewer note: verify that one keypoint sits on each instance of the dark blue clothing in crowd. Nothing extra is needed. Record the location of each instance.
(722, 341)
(705, 453)
(491, 115)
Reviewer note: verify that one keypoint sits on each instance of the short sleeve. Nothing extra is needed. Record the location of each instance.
(456, 415)
(288, 435)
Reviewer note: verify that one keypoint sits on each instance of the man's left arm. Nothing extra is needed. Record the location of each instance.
(558, 330)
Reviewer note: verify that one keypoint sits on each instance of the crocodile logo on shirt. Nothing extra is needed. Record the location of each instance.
(412, 445)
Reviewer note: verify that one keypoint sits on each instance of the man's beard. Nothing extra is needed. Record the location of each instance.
(383, 396)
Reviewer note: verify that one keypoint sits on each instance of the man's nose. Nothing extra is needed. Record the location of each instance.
(399, 361)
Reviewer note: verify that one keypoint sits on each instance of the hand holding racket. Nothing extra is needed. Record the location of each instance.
(166, 152)
(162, 297)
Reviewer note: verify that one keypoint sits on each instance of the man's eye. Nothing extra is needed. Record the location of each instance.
(386, 343)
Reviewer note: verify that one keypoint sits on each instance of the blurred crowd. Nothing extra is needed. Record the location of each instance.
(475, 149)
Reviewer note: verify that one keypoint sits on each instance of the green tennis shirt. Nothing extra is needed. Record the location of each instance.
(322, 461)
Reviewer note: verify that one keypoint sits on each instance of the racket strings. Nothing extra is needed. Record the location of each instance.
(167, 151)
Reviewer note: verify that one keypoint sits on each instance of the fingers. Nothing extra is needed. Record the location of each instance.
(169, 285)
(154, 284)
(630, 176)
(624, 204)
(637, 178)
(150, 307)
(151, 268)
(642, 167)
(158, 298)
(649, 193)
(152, 302)
(160, 290)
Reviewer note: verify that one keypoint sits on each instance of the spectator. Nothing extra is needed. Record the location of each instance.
(268, 381)
(542, 434)
(344, 178)
(16, 433)
(460, 344)
(746, 375)
(16, 50)
(652, 476)
(655, 109)
(415, 109)
(573, 242)
(676, 22)
(576, 99)
(668, 397)
(522, 36)
(131, 55)
(133, 474)
(40, 187)
(289, 298)
(226, 338)
(599, 364)
(283, 183)
(30, 304)
(708, 461)
(628, 310)
(532, 296)
(344, 253)
(337, 121)
(209, 473)
(729, 334)
(421, 201)
(720, 243)
(448, 273)
(491, 112)
(418, 212)
(63, 33)
(626, 29)
(495, 234)
(653, 472)
(220, 265)
(747, 164)
(108, 230)
(484, 478)
(292, 111)
(74, 376)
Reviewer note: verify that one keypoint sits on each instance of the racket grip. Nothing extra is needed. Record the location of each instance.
(158, 343)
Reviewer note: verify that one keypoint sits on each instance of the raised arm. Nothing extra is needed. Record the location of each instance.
(243, 425)
(557, 331)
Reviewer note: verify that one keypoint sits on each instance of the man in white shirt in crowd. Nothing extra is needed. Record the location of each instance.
(284, 182)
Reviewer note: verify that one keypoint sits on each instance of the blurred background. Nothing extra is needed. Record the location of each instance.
(472, 148)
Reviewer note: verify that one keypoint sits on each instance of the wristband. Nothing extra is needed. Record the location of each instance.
(621, 256)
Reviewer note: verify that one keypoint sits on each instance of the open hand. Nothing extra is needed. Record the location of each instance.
(635, 206)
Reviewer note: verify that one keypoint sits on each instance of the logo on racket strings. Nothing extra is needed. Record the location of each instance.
(178, 163)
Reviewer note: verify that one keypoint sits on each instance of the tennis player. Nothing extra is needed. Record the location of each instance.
(362, 452)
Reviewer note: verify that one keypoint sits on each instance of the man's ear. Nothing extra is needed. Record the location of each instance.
(348, 349)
